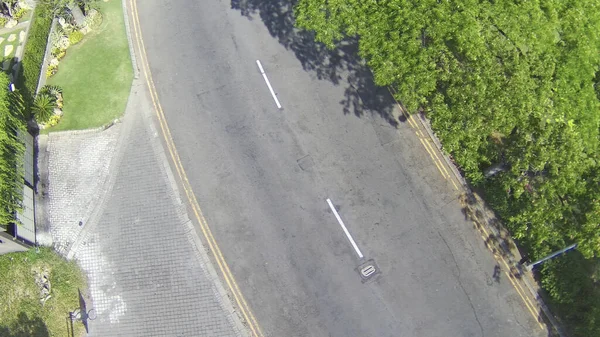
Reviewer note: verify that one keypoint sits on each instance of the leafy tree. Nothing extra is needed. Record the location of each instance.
(508, 83)
(502, 81)
(11, 151)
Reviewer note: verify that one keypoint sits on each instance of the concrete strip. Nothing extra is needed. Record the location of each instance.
(136, 69)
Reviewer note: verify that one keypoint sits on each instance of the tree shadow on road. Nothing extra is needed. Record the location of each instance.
(339, 66)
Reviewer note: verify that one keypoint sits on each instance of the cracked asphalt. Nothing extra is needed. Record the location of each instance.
(262, 177)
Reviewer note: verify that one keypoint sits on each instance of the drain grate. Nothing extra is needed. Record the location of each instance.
(368, 271)
(306, 163)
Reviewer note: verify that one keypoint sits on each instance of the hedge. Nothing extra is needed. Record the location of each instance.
(33, 55)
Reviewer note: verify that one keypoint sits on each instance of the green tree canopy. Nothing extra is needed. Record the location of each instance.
(509, 82)
(512, 84)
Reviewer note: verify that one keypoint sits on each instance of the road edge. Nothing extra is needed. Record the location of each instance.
(522, 275)
(242, 326)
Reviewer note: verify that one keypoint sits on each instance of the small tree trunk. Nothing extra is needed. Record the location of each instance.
(494, 169)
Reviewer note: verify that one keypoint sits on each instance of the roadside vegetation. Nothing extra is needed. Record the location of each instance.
(11, 151)
(33, 54)
(95, 72)
(39, 289)
(512, 91)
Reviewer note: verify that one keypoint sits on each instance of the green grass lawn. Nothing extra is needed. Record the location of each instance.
(96, 74)
(21, 313)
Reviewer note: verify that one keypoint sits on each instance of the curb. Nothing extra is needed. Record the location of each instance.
(191, 234)
(134, 65)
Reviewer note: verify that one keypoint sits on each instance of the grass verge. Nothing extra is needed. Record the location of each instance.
(21, 313)
(96, 74)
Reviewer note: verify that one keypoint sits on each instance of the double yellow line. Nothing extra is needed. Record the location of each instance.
(511, 277)
(425, 141)
(243, 306)
(214, 248)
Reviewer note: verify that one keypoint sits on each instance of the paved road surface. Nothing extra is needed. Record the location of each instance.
(262, 176)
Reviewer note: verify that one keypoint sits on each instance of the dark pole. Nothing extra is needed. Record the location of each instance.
(530, 266)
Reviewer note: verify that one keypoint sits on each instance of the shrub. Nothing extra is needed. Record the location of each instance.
(53, 121)
(33, 55)
(19, 14)
(3, 21)
(51, 70)
(43, 107)
(58, 53)
(93, 19)
(55, 39)
(11, 150)
(52, 90)
(61, 54)
(75, 37)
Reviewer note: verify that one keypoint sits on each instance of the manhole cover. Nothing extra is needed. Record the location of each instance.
(306, 163)
(368, 270)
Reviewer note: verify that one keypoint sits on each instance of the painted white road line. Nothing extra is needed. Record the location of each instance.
(262, 71)
(339, 219)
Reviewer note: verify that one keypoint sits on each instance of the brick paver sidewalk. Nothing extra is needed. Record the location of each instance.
(147, 275)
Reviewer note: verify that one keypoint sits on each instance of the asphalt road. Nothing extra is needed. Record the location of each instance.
(262, 176)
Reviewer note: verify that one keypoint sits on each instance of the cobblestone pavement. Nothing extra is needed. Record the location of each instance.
(79, 163)
(148, 274)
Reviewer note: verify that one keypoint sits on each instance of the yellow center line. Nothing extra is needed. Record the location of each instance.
(214, 248)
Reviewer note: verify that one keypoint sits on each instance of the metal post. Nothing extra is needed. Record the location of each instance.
(530, 266)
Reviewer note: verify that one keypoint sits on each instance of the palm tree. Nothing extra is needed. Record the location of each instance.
(43, 107)
(52, 90)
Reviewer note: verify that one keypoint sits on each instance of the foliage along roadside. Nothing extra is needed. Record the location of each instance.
(506, 85)
(33, 55)
(11, 151)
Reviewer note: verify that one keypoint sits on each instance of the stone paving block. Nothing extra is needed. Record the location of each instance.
(147, 276)
(8, 49)
(19, 51)
(78, 164)
(144, 279)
